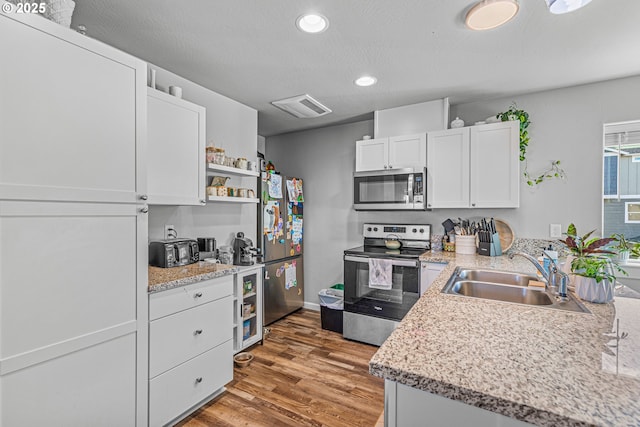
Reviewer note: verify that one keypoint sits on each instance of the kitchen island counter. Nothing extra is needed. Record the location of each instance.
(538, 365)
(162, 279)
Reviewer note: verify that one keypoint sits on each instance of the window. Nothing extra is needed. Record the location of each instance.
(610, 175)
(632, 213)
(621, 180)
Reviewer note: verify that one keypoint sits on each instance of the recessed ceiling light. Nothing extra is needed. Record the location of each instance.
(563, 6)
(489, 14)
(312, 23)
(366, 81)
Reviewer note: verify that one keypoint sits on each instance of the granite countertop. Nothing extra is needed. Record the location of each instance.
(542, 366)
(162, 279)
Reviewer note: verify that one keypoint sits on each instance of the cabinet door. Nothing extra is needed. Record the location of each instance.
(68, 275)
(95, 386)
(448, 168)
(495, 165)
(372, 154)
(176, 135)
(429, 273)
(249, 326)
(409, 151)
(70, 115)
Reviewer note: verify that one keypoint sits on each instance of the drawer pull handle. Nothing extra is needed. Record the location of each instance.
(198, 295)
(197, 332)
(198, 380)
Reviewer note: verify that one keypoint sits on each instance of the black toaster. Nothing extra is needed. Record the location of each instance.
(173, 252)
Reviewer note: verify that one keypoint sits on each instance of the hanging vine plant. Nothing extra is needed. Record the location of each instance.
(555, 171)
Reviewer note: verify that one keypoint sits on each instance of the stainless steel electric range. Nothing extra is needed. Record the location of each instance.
(372, 312)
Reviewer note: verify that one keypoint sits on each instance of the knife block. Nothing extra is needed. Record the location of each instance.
(493, 248)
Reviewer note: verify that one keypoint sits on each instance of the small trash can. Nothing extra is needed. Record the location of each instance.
(331, 306)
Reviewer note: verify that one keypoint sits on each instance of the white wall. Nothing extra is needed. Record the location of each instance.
(566, 125)
(232, 126)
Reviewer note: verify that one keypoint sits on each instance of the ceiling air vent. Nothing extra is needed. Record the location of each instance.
(302, 106)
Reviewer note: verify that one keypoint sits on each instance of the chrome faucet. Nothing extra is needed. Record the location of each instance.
(555, 279)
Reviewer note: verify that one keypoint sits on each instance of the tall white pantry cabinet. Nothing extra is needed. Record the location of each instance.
(73, 229)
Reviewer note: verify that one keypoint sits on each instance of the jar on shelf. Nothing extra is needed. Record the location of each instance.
(241, 163)
(218, 156)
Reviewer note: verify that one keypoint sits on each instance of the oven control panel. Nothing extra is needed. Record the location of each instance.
(402, 231)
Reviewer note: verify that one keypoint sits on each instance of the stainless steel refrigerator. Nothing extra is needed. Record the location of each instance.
(281, 223)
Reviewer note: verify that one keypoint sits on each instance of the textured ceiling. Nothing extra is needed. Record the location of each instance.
(251, 51)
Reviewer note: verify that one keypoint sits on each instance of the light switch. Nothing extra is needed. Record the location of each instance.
(555, 230)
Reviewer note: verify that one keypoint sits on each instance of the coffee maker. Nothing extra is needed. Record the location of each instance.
(244, 253)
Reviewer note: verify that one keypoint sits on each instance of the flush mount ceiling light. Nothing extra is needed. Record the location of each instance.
(563, 6)
(312, 23)
(366, 81)
(489, 14)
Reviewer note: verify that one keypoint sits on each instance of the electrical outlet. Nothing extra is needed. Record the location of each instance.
(169, 231)
(555, 230)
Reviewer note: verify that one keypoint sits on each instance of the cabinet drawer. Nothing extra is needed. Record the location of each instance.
(184, 335)
(177, 390)
(168, 302)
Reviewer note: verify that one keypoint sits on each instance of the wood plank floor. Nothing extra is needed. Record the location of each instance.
(301, 376)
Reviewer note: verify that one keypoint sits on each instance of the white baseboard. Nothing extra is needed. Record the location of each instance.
(311, 306)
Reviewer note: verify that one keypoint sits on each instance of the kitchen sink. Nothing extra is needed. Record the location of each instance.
(520, 295)
(507, 287)
(496, 276)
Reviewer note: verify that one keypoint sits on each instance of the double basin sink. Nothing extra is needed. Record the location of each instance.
(506, 286)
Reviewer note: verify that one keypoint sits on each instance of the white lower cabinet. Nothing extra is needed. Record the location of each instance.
(184, 387)
(429, 272)
(190, 347)
(188, 333)
(247, 326)
(71, 288)
(94, 386)
(409, 407)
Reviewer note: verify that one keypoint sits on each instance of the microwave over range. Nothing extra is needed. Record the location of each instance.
(391, 189)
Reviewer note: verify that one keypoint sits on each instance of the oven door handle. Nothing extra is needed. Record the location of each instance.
(398, 262)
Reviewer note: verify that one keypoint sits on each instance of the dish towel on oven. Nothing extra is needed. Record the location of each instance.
(380, 273)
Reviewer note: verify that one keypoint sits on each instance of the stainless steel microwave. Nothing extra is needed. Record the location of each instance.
(390, 189)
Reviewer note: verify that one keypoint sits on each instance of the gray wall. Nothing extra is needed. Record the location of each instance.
(234, 127)
(324, 158)
(566, 125)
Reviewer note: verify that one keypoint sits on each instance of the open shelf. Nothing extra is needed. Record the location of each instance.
(251, 316)
(233, 199)
(250, 294)
(212, 167)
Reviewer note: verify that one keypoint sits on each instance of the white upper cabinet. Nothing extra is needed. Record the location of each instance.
(62, 86)
(396, 152)
(176, 134)
(372, 154)
(448, 169)
(474, 167)
(495, 165)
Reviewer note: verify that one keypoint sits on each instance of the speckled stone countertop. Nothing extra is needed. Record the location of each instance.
(162, 279)
(542, 366)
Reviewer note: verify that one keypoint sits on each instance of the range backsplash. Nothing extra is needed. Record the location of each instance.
(534, 247)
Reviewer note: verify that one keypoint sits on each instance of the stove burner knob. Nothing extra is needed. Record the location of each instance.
(368, 228)
(414, 230)
(422, 230)
(375, 228)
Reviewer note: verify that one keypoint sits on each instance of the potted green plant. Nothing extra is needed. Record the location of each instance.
(593, 270)
(624, 247)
